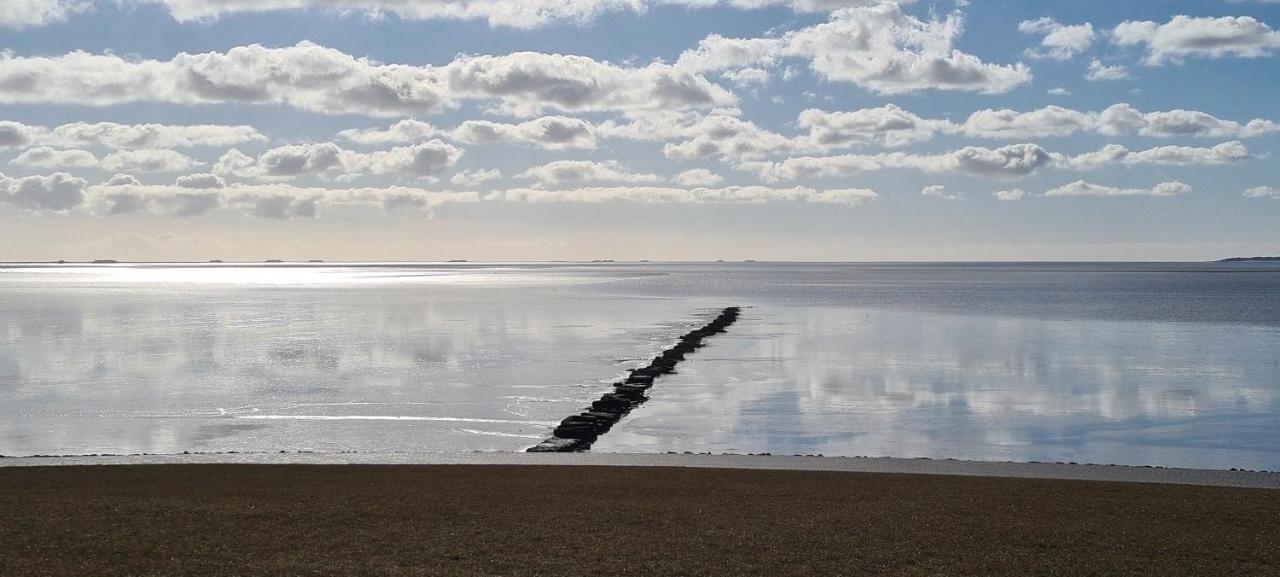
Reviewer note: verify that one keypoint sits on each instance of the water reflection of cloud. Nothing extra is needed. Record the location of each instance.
(103, 365)
(914, 384)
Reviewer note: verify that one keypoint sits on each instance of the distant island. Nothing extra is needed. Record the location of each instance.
(1252, 259)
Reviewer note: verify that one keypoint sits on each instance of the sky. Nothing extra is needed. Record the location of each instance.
(812, 130)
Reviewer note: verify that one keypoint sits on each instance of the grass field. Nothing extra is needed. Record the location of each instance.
(600, 521)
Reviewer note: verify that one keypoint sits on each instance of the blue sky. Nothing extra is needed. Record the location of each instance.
(630, 129)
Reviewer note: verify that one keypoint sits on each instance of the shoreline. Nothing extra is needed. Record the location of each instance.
(876, 465)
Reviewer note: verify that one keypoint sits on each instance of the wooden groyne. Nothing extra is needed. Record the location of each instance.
(578, 432)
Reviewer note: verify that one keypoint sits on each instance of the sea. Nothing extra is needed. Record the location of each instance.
(1164, 364)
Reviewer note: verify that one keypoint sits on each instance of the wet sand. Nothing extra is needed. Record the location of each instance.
(226, 519)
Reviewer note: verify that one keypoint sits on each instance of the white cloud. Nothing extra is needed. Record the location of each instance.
(876, 46)
(290, 161)
(44, 157)
(17, 134)
(324, 80)
(574, 171)
(716, 52)
(1082, 188)
(551, 132)
(940, 191)
(1124, 119)
(1099, 72)
(408, 130)
(522, 14)
(888, 125)
(725, 137)
(1011, 195)
(1007, 162)
(528, 83)
(127, 136)
(423, 159)
(197, 195)
(139, 136)
(885, 50)
(1061, 42)
(732, 194)
(147, 160)
(1184, 36)
(1116, 120)
(201, 181)
(19, 14)
(1059, 91)
(330, 161)
(748, 77)
(474, 178)
(1263, 192)
(1047, 121)
(699, 177)
(1115, 154)
(57, 192)
(499, 13)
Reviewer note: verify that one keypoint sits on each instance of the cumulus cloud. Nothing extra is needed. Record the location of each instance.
(408, 130)
(551, 132)
(1115, 154)
(291, 161)
(147, 160)
(1207, 37)
(725, 137)
(885, 50)
(1010, 195)
(58, 192)
(1125, 119)
(732, 194)
(1116, 120)
(698, 177)
(748, 77)
(876, 46)
(888, 125)
(1082, 188)
(330, 161)
(1060, 42)
(45, 157)
(19, 14)
(1263, 192)
(324, 80)
(199, 194)
(17, 134)
(1047, 121)
(139, 136)
(474, 178)
(1007, 162)
(529, 82)
(940, 191)
(574, 171)
(423, 159)
(127, 136)
(522, 14)
(199, 181)
(1099, 72)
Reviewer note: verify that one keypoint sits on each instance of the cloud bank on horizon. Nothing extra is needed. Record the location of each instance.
(268, 113)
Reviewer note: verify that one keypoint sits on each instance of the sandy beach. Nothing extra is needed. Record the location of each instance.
(247, 519)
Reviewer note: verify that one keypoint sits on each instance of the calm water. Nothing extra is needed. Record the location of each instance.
(1166, 364)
